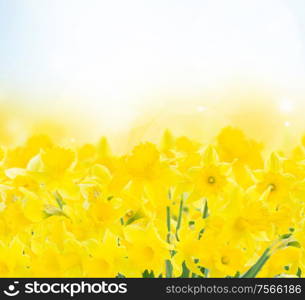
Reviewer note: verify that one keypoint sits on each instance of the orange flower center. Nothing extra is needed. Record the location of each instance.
(272, 187)
(225, 260)
(211, 180)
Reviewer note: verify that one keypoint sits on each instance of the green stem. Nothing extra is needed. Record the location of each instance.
(179, 217)
(205, 211)
(168, 269)
(168, 264)
(168, 222)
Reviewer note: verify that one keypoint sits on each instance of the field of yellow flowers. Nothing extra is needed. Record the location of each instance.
(180, 208)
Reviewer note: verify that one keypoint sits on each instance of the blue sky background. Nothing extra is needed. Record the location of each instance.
(116, 49)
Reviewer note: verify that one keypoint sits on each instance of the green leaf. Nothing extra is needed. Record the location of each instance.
(148, 274)
(135, 217)
(299, 273)
(53, 211)
(254, 270)
(294, 244)
(285, 236)
(205, 271)
(185, 271)
(59, 199)
(201, 232)
(237, 275)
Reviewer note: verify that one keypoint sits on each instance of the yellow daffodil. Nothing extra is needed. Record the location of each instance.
(183, 207)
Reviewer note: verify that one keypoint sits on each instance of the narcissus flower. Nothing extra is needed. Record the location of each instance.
(182, 208)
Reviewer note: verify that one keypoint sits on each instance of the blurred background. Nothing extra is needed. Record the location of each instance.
(78, 69)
